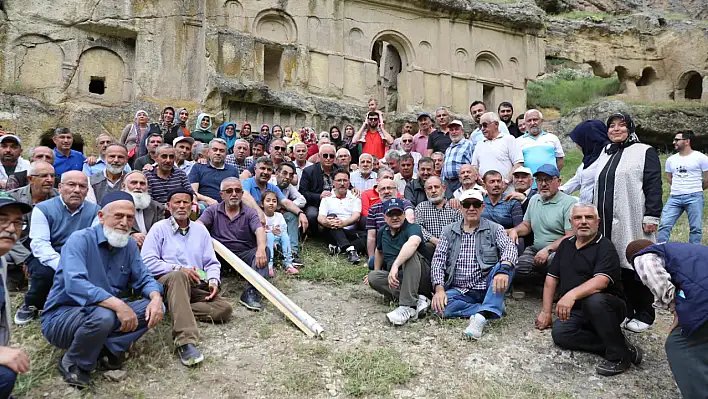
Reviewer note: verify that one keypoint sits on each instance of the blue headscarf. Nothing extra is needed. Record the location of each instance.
(591, 136)
(230, 141)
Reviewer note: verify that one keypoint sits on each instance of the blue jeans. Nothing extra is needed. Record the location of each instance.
(293, 231)
(284, 241)
(7, 381)
(371, 263)
(474, 301)
(675, 205)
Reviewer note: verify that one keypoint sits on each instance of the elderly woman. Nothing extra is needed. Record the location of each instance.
(134, 134)
(628, 197)
(591, 138)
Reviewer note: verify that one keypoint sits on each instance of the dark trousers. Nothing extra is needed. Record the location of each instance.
(344, 238)
(7, 382)
(413, 278)
(639, 298)
(249, 257)
(688, 358)
(311, 212)
(595, 327)
(527, 271)
(41, 280)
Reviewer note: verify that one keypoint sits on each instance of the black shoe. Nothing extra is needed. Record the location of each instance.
(107, 360)
(296, 260)
(251, 299)
(353, 257)
(74, 375)
(25, 314)
(610, 368)
(636, 353)
(189, 355)
(333, 250)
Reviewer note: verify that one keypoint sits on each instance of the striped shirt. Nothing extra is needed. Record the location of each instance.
(506, 213)
(456, 155)
(361, 182)
(375, 220)
(159, 187)
(432, 220)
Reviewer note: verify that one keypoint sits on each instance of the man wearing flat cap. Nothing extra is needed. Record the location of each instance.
(86, 311)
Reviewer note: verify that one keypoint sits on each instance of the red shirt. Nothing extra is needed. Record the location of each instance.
(370, 198)
(374, 145)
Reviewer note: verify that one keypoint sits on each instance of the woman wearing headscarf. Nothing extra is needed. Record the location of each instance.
(202, 132)
(179, 127)
(628, 198)
(591, 138)
(265, 135)
(227, 132)
(335, 136)
(134, 134)
(354, 148)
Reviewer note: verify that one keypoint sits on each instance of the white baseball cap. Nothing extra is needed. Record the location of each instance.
(471, 194)
(523, 169)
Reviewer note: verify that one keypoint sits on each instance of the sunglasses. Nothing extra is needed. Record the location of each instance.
(328, 156)
(485, 124)
(373, 119)
(230, 191)
(468, 204)
(406, 141)
(677, 140)
(278, 148)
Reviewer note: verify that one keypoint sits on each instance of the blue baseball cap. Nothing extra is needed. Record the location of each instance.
(547, 169)
(424, 114)
(393, 204)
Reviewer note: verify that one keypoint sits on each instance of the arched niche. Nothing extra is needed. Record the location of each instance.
(233, 12)
(690, 86)
(393, 54)
(648, 77)
(37, 62)
(275, 25)
(487, 65)
(402, 45)
(101, 75)
(462, 59)
(355, 43)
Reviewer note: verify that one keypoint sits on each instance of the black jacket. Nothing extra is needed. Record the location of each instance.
(415, 192)
(312, 182)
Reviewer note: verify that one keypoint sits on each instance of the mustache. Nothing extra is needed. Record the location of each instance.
(6, 234)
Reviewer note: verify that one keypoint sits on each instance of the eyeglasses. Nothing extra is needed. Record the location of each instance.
(468, 204)
(545, 180)
(406, 141)
(278, 148)
(677, 140)
(6, 221)
(485, 124)
(230, 191)
(328, 156)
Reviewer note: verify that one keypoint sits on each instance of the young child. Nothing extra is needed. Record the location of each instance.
(276, 231)
(373, 104)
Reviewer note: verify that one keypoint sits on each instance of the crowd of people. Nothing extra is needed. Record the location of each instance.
(447, 222)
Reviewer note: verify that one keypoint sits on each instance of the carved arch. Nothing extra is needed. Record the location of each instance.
(276, 25)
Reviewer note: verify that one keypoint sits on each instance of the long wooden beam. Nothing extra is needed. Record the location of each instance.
(298, 316)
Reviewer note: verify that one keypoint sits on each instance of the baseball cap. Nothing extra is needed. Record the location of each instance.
(393, 204)
(548, 169)
(424, 114)
(456, 122)
(10, 137)
(182, 138)
(471, 194)
(523, 169)
(7, 200)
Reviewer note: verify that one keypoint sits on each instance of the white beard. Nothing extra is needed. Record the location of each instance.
(114, 170)
(436, 200)
(115, 238)
(141, 200)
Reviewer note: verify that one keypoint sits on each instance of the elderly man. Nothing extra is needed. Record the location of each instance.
(66, 159)
(13, 361)
(675, 273)
(239, 158)
(85, 312)
(344, 159)
(165, 177)
(386, 189)
(364, 178)
(338, 215)
(301, 162)
(102, 142)
(468, 181)
(371, 196)
(11, 157)
(283, 179)
(401, 266)
(206, 178)
(316, 182)
(523, 180)
(406, 174)
(277, 150)
(407, 149)
(147, 161)
(472, 267)
(240, 230)
(498, 151)
(591, 305)
(435, 213)
(548, 217)
(183, 152)
(459, 153)
(415, 189)
(110, 179)
(506, 213)
(180, 255)
(147, 211)
(539, 147)
(19, 179)
(52, 223)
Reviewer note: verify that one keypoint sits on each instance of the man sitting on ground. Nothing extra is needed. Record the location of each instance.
(205, 179)
(468, 181)
(401, 266)
(338, 215)
(180, 255)
(110, 179)
(472, 267)
(415, 189)
(283, 179)
(147, 211)
(435, 213)
(183, 152)
(51, 224)
(591, 307)
(240, 230)
(85, 313)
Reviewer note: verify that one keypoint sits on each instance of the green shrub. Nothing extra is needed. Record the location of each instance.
(568, 89)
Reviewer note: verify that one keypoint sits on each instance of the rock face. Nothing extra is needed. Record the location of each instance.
(655, 125)
(691, 8)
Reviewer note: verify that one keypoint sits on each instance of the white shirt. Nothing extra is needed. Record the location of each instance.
(299, 170)
(276, 220)
(584, 180)
(401, 182)
(140, 220)
(499, 154)
(343, 208)
(22, 165)
(361, 182)
(687, 172)
(416, 157)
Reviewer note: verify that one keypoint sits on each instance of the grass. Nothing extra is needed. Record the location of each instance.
(373, 372)
(326, 269)
(566, 91)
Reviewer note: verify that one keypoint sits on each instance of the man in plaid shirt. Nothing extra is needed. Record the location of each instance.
(457, 154)
(472, 267)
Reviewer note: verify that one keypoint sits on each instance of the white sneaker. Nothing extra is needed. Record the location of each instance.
(423, 304)
(637, 326)
(401, 315)
(477, 323)
(624, 323)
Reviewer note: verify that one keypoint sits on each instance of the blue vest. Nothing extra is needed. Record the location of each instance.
(62, 223)
(686, 263)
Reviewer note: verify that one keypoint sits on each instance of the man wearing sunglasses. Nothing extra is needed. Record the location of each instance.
(407, 149)
(373, 136)
(498, 151)
(472, 267)
(316, 183)
(277, 149)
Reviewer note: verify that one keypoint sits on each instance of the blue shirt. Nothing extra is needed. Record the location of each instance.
(62, 163)
(457, 155)
(209, 178)
(91, 271)
(252, 188)
(506, 213)
(99, 167)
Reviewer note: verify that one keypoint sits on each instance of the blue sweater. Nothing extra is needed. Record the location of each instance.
(62, 223)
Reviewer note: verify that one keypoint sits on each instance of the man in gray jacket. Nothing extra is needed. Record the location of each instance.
(111, 178)
(472, 267)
